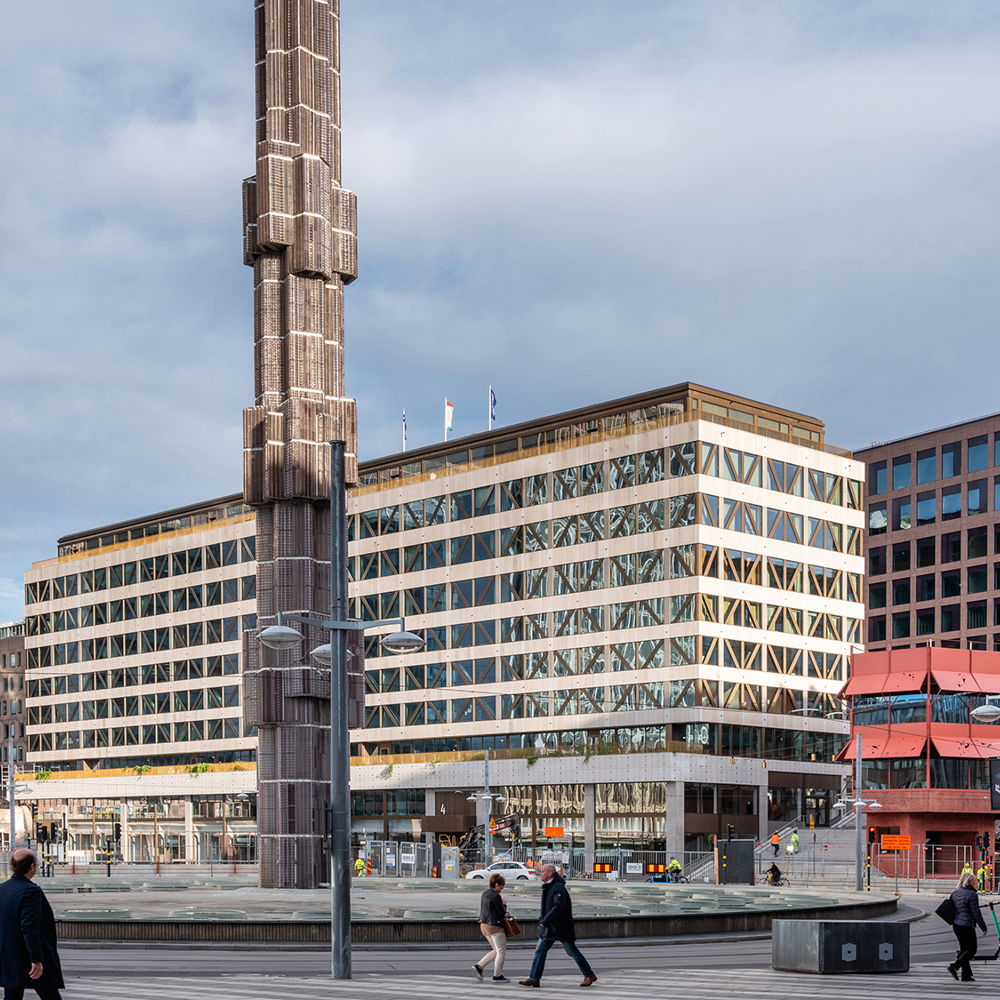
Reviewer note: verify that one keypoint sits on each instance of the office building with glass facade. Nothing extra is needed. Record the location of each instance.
(643, 609)
(133, 683)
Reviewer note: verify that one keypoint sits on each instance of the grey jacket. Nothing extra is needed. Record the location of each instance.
(491, 908)
(967, 913)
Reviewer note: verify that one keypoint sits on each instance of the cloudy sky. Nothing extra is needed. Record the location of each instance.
(571, 200)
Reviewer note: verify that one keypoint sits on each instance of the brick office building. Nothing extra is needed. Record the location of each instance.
(933, 538)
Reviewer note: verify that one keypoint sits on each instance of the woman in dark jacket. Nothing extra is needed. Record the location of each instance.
(491, 912)
(967, 918)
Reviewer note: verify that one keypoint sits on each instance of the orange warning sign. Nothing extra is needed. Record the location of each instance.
(895, 842)
(554, 831)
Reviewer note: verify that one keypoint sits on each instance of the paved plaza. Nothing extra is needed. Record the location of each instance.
(680, 984)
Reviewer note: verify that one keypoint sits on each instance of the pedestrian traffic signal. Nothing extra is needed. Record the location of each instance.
(986, 840)
(56, 832)
(872, 833)
(43, 834)
(118, 833)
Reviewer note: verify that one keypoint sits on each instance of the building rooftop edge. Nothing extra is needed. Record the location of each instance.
(920, 434)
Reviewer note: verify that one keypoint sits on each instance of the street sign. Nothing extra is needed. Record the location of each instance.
(554, 831)
(633, 867)
(895, 842)
(995, 784)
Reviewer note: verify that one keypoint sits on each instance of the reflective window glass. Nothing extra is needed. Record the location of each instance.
(901, 472)
(926, 466)
(979, 457)
(951, 460)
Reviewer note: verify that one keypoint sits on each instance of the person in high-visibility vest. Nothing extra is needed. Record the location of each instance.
(776, 842)
(794, 842)
(674, 870)
(359, 866)
(981, 876)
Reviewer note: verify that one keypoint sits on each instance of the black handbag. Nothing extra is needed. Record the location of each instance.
(946, 911)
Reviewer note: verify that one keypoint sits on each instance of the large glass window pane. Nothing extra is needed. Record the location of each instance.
(879, 479)
(926, 508)
(926, 551)
(951, 583)
(925, 587)
(901, 557)
(876, 595)
(877, 520)
(901, 514)
(979, 456)
(976, 497)
(951, 460)
(951, 547)
(926, 466)
(951, 503)
(901, 472)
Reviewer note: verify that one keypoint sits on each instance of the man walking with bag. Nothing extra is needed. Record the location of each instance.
(556, 924)
(28, 956)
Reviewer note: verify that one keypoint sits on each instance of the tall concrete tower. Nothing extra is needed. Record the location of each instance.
(301, 241)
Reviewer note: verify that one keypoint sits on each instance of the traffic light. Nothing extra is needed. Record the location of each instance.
(979, 844)
(118, 833)
(986, 840)
(43, 834)
(56, 832)
(872, 833)
(730, 830)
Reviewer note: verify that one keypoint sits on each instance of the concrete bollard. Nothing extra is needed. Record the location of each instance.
(838, 946)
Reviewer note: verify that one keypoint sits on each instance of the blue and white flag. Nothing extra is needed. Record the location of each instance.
(404, 430)
(493, 407)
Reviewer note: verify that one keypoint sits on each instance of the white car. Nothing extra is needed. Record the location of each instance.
(509, 870)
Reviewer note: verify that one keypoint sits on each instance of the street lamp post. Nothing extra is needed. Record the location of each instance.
(859, 803)
(281, 637)
(489, 797)
(10, 789)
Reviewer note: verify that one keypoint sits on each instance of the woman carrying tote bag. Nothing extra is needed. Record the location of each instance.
(967, 918)
(492, 915)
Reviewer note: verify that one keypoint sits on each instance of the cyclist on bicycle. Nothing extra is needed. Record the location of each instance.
(773, 874)
(674, 870)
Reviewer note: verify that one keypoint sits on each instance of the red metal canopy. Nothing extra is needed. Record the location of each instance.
(966, 746)
(877, 744)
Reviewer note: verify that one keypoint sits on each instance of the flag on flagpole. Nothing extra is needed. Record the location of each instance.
(448, 411)
(493, 407)
(404, 430)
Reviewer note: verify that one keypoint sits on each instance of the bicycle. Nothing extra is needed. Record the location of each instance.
(781, 881)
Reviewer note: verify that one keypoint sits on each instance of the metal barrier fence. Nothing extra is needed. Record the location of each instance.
(938, 865)
(396, 858)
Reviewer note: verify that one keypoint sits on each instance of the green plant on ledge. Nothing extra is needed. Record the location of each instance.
(141, 769)
(531, 760)
(42, 775)
(199, 768)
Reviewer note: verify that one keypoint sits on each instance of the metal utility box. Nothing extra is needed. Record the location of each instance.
(838, 946)
(450, 858)
(734, 862)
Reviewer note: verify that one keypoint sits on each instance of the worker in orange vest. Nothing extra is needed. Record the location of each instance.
(775, 842)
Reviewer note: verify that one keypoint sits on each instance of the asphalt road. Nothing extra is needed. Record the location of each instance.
(930, 941)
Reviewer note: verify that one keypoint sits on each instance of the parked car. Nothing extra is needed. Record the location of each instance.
(509, 870)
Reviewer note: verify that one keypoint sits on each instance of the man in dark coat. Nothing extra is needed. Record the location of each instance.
(28, 956)
(556, 924)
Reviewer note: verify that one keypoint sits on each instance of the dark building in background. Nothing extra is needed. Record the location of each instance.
(12, 691)
(933, 538)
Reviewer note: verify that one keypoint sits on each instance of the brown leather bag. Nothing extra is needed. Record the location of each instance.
(510, 926)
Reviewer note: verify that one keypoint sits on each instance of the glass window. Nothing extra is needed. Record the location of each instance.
(876, 561)
(951, 546)
(901, 591)
(979, 456)
(876, 595)
(926, 508)
(877, 520)
(901, 514)
(976, 614)
(925, 622)
(926, 466)
(976, 579)
(876, 629)
(901, 557)
(925, 551)
(901, 472)
(951, 583)
(996, 492)
(950, 618)
(951, 503)
(976, 541)
(879, 481)
(925, 587)
(976, 497)
(951, 460)
(901, 625)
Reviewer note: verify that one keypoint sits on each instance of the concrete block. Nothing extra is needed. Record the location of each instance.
(838, 946)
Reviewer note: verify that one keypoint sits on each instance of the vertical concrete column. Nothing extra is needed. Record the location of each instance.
(125, 847)
(189, 852)
(589, 826)
(674, 826)
(762, 814)
(430, 809)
